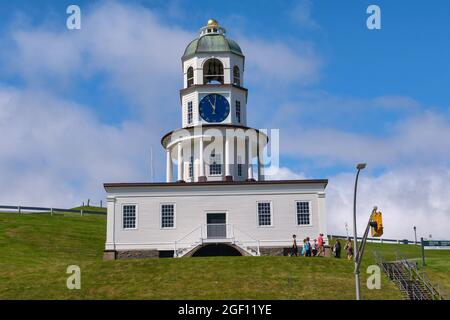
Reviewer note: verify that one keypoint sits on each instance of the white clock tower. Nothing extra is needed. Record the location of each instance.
(217, 202)
(214, 143)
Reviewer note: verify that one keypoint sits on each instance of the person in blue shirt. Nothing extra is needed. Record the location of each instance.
(307, 248)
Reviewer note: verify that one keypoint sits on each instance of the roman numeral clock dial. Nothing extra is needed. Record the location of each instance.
(214, 108)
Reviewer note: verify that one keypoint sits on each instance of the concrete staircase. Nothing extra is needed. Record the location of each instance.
(252, 251)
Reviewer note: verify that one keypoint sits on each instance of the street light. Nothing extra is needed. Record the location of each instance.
(360, 167)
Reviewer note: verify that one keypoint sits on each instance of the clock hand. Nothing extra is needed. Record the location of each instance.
(213, 106)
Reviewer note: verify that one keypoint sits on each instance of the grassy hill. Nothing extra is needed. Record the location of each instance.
(91, 208)
(35, 251)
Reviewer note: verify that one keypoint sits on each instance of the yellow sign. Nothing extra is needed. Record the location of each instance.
(376, 223)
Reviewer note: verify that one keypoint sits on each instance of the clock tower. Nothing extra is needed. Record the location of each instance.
(214, 143)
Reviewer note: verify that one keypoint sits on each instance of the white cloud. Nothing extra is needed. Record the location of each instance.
(416, 140)
(279, 64)
(282, 173)
(407, 197)
(302, 14)
(57, 153)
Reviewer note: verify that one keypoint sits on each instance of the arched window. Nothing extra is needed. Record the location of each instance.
(236, 76)
(190, 76)
(213, 72)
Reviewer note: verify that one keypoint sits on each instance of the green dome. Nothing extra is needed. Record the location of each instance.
(212, 43)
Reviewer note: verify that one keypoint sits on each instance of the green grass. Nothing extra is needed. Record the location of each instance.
(35, 251)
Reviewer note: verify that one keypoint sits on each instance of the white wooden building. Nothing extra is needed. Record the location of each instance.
(219, 202)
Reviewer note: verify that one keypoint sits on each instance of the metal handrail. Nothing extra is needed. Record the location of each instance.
(253, 239)
(422, 277)
(175, 251)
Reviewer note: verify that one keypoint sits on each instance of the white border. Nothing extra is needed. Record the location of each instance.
(271, 214)
(136, 218)
(174, 216)
(310, 213)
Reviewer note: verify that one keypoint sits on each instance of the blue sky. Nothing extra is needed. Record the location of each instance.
(340, 94)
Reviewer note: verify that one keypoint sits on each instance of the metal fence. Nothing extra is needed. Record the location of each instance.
(43, 210)
(376, 240)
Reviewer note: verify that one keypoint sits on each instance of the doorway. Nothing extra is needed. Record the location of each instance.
(216, 225)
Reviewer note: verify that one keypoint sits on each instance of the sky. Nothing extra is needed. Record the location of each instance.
(82, 107)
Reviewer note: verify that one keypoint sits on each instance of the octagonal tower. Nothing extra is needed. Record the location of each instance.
(214, 142)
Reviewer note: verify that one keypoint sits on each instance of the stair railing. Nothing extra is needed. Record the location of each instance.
(179, 241)
(252, 240)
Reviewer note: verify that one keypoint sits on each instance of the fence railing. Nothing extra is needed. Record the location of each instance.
(44, 210)
(377, 240)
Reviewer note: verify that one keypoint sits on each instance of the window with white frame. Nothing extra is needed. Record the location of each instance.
(190, 77)
(238, 111)
(236, 76)
(167, 216)
(303, 213)
(239, 166)
(129, 216)
(191, 166)
(264, 213)
(189, 112)
(215, 164)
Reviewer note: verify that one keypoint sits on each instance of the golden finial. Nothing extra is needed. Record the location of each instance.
(212, 23)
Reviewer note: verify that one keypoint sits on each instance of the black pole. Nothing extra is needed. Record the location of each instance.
(423, 252)
(415, 235)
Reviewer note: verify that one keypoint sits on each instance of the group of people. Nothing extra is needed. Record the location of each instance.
(316, 249)
(348, 249)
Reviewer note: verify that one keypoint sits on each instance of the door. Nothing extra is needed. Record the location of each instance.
(216, 225)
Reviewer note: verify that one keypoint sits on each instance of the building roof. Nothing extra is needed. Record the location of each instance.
(210, 125)
(211, 39)
(212, 183)
(212, 43)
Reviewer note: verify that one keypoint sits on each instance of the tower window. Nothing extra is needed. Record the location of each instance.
(236, 76)
(215, 166)
(191, 167)
(213, 72)
(190, 77)
(239, 166)
(238, 111)
(189, 112)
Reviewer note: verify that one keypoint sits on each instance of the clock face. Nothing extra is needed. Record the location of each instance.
(214, 108)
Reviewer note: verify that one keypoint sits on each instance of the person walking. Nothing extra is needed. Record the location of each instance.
(307, 248)
(315, 248)
(294, 246)
(321, 251)
(337, 249)
(349, 249)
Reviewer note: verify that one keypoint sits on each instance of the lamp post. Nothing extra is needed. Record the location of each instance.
(415, 235)
(360, 167)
